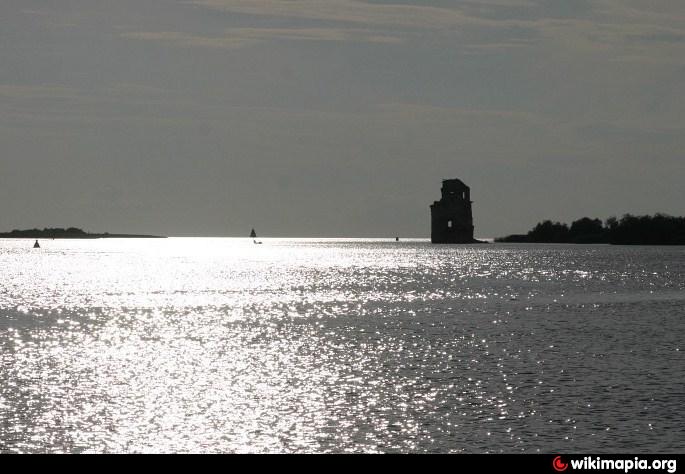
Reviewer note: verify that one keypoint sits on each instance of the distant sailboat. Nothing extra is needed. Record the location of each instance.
(36, 245)
(253, 234)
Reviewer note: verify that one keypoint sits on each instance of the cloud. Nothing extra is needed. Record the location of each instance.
(629, 30)
(314, 34)
(185, 39)
(660, 37)
(20, 91)
(637, 134)
(348, 11)
(240, 37)
(351, 21)
(405, 109)
(619, 28)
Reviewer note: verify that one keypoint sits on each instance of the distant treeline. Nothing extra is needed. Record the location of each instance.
(659, 229)
(69, 233)
(46, 233)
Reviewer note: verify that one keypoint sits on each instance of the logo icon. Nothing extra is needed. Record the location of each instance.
(559, 465)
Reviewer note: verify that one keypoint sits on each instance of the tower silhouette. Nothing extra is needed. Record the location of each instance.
(451, 217)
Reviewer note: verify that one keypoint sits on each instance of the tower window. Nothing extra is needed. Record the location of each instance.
(449, 224)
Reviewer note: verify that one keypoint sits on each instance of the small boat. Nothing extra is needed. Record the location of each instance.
(253, 234)
(36, 245)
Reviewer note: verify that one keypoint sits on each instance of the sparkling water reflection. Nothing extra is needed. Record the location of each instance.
(219, 345)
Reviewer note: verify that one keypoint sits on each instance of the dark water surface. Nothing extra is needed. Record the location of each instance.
(297, 345)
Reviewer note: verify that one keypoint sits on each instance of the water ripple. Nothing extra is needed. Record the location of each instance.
(217, 345)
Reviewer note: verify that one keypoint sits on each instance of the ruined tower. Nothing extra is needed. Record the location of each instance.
(451, 218)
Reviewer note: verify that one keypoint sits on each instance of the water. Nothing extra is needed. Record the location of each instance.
(219, 345)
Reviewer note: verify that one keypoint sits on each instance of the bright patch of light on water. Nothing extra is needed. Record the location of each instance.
(335, 345)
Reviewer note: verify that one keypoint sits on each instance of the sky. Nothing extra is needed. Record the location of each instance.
(337, 118)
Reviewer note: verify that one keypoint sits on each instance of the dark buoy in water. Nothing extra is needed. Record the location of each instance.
(397, 239)
(36, 245)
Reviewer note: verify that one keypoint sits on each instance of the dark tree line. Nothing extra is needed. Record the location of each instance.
(659, 229)
(55, 232)
(69, 233)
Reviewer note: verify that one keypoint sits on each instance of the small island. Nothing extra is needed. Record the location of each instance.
(660, 229)
(69, 233)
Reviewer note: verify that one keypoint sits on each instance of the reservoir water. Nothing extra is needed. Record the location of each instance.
(340, 345)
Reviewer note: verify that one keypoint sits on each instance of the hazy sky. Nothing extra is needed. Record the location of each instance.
(337, 117)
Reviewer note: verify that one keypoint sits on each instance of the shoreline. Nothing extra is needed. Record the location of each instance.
(79, 236)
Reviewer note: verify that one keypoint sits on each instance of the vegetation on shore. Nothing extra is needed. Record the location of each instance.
(68, 233)
(659, 229)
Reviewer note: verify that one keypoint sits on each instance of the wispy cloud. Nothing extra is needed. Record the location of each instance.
(622, 28)
(21, 91)
(352, 21)
(348, 11)
(315, 34)
(240, 37)
(185, 39)
(406, 109)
